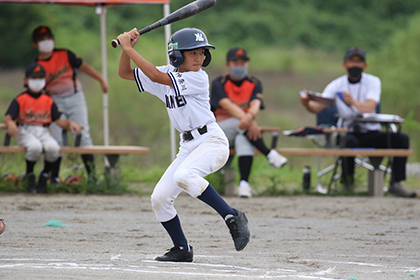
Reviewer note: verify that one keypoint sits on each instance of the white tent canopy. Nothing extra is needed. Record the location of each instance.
(101, 10)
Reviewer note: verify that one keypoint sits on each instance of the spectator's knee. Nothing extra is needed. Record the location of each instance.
(404, 140)
(51, 153)
(33, 151)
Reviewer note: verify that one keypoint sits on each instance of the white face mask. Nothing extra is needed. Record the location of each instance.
(46, 46)
(36, 85)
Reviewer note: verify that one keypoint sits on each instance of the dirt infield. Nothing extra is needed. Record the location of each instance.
(117, 237)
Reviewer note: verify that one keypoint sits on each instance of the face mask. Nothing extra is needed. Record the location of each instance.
(36, 85)
(46, 46)
(238, 72)
(355, 72)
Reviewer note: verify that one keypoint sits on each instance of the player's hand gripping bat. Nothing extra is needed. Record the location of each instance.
(188, 10)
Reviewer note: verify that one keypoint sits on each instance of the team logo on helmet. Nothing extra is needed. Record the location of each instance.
(173, 46)
(199, 37)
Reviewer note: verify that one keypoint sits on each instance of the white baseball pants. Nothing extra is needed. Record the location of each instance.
(196, 159)
(37, 139)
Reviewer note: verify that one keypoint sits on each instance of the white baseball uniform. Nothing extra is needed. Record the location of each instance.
(187, 103)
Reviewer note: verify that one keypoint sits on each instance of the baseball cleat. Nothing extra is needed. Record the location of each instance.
(42, 183)
(276, 160)
(177, 254)
(238, 227)
(30, 180)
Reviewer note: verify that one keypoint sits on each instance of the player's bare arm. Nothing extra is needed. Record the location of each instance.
(86, 68)
(12, 128)
(367, 106)
(70, 125)
(254, 107)
(231, 108)
(312, 106)
(127, 41)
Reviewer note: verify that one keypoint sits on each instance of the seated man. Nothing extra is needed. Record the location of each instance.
(355, 94)
(236, 99)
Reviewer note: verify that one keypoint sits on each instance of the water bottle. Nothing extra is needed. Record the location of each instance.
(306, 185)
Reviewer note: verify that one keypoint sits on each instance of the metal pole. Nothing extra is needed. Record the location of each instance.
(102, 11)
(166, 12)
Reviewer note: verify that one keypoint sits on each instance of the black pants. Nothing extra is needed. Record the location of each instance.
(380, 140)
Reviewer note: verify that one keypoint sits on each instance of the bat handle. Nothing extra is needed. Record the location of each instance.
(115, 43)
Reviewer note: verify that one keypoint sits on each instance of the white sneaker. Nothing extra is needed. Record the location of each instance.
(244, 190)
(275, 159)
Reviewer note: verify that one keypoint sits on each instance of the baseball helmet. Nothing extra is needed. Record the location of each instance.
(188, 39)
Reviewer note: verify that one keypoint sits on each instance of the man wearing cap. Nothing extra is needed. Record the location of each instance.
(355, 94)
(236, 98)
(65, 88)
(28, 118)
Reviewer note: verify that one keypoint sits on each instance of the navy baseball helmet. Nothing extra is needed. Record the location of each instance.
(188, 39)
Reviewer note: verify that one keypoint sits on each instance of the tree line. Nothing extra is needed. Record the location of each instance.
(322, 24)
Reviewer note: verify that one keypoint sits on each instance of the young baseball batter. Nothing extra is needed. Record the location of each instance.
(28, 118)
(184, 88)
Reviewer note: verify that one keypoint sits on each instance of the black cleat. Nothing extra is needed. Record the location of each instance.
(238, 226)
(30, 181)
(42, 183)
(177, 254)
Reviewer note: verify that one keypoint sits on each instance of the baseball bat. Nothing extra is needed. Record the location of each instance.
(184, 12)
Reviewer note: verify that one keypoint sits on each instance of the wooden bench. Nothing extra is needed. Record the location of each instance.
(375, 181)
(111, 153)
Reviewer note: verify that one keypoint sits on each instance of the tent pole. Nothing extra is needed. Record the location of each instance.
(166, 12)
(102, 11)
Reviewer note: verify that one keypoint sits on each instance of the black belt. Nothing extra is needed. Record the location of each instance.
(187, 136)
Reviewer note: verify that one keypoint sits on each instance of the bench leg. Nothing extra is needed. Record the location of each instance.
(376, 182)
(112, 172)
(229, 179)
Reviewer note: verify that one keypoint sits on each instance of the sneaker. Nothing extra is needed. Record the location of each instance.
(397, 189)
(30, 180)
(177, 254)
(275, 159)
(42, 183)
(244, 190)
(238, 227)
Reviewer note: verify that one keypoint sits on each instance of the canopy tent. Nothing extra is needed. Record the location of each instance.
(101, 10)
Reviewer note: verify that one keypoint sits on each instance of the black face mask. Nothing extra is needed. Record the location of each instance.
(355, 72)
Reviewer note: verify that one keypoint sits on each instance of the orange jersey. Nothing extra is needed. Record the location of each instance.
(60, 73)
(33, 109)
(241, 94)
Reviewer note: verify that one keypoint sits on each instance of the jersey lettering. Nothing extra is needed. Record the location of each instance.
(36, 111)
(173, 102)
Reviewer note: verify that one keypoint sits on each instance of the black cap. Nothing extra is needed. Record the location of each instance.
(40, 32)
(34, 70)
(235, 53)
(355, 51)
